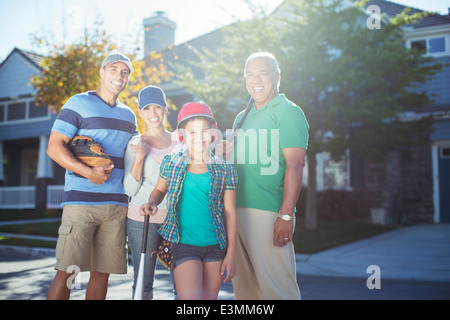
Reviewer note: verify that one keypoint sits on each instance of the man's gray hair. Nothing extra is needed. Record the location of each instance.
(266, 56)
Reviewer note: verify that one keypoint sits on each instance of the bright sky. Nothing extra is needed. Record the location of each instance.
(20, 18)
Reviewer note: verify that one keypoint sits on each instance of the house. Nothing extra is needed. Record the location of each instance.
(28, 177)
(410, 186)
(413, 186)
(26, 169)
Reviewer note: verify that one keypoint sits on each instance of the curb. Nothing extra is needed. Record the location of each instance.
(26, 236)
(12, 222)
(32, 251)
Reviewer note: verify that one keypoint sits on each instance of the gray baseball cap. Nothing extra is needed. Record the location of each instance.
(117, 57)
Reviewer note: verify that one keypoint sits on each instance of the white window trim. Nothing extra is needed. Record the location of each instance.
(427, 39)
(417, 34)
(320, 173)
(28, 104)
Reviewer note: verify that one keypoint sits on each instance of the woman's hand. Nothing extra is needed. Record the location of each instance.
(141, 148)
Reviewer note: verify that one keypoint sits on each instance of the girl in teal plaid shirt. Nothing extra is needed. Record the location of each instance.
(201, 222)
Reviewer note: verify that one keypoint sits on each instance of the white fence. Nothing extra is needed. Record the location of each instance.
(55, 196)
(25, 197)
(18, 197)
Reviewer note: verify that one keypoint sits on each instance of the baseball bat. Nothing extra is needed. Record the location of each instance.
(139, 289)
(239, 125)
(241, 121)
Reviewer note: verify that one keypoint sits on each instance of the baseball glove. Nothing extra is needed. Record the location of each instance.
(164, 254)
(90, 152)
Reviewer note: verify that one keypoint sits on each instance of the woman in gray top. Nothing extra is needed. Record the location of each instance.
(143, 157)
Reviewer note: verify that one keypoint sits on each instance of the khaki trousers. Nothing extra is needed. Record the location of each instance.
(264, 271)
(93, 238)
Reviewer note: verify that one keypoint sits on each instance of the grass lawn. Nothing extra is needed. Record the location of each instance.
(11, 215)
(27, 242)
(49, 229)
(330, 233)
(333, 233)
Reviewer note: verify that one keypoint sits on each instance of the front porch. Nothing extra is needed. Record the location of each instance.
(28, 177)
(25, 197)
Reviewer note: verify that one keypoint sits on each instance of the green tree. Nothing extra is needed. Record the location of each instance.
(223, 85)
(343, 75)
(72, 68)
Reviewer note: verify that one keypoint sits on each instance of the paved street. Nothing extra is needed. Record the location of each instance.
(27, 274)
(27, 277)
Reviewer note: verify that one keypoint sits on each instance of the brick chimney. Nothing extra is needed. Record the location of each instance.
(159, 32)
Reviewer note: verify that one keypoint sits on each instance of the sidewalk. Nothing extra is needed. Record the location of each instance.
(420, 252)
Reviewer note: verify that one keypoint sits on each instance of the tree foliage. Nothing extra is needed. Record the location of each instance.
(223, 85)
(69, 69)
(344, 76)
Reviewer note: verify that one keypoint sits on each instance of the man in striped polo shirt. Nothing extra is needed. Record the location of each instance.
(92, 235)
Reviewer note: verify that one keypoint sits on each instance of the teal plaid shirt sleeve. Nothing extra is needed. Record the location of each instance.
(231, 179)
(225, 178)
(172, 170)
(164, 166)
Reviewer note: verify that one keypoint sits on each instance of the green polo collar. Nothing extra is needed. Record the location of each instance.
(279, 98)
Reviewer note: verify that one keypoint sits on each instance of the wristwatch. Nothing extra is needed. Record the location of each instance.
(285, 217)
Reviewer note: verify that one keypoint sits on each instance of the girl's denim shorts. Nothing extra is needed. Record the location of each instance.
(183, 252)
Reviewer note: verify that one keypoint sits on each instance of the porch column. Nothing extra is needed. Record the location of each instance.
(2, 175)
(44, 175)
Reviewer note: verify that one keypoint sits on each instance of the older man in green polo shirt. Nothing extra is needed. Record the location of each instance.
(269, 156)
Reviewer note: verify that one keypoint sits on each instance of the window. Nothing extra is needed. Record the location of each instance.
(16, 111)
(420, 46)
(24, 110)
(36, 111)
(28, 168)
(434, 46)
(445, 153)
(333, 175)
